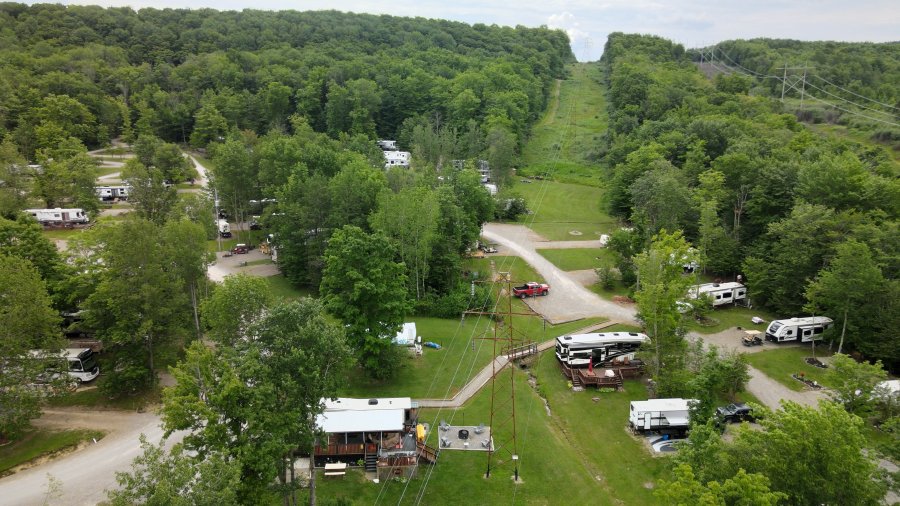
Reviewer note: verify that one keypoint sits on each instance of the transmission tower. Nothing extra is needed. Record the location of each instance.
(508, 346)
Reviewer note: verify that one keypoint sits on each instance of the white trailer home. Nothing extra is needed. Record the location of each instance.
(720, 293)
(396, 159)
(660, 415)
(58, 216)
(107, 193)
(805, 329)
(580, 350)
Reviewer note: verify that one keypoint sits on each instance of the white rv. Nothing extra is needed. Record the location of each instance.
(107, 193)
(579, 350)
(660, 415)
(58, 216)
(720, 293)
(387, 145)
(805, 329)
(224, 228)
(396, 159)
(78, 363)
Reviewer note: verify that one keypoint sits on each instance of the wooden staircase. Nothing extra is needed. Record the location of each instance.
(577, 384)
(426, 452)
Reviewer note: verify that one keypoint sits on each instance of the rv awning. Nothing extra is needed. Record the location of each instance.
(382, 420)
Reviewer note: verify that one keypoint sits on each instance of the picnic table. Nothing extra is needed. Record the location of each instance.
(336, 469)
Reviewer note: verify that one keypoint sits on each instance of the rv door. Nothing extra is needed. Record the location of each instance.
(647, 418)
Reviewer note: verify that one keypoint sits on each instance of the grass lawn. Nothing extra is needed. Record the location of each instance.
(105, 171)
(581, 444)
(571, 129)
(780, 364)
(281, 288)
(576, 259)
(520, 271)
(562, 208)
(618, 289)
(730, 317)
(37, 443)
(64, 233)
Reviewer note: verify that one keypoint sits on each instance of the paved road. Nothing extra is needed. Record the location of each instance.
(568, 300)
(87, 473)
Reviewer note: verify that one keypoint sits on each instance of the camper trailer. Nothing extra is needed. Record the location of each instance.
(58, 216)
(224, 228)
(669, 416)
(582, 350)
(107, 193)
(720, 293)
(805, 329)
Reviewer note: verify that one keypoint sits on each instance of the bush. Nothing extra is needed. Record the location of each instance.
(125, 379)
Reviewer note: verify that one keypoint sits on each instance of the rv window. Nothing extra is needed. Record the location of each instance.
(718, 297)
(818, 330)
(789, 332)
(806, 332)
(741, 293)
(726, 295)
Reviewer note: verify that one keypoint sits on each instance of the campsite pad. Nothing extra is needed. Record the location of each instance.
(475, 440)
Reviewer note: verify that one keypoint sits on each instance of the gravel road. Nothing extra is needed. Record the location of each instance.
(568, 300)
(86, 474)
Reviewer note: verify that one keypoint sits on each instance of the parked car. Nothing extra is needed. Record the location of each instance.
(734, 413)
(240, 249)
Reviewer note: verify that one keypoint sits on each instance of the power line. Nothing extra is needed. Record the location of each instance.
(857, 94)
(850, 101)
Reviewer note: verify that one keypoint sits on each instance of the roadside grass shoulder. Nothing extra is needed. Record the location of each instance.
(38, 443)
(779, 364)
(576, 259)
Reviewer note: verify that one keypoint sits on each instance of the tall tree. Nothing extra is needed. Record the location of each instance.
(151, 197)
(846, 287)
(235, 306)
(661, 283)
(27, 322)
(855, 385)
(256, 402)
(365, 287)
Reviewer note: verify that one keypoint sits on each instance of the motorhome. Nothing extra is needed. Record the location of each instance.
(107, 193)
(805, 329)
(58, 216)
(582, 350)
(720, 293)
(79, 363)
(671, 416)
(224, 228)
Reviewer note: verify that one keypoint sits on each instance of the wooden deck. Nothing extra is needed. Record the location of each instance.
(600, 378)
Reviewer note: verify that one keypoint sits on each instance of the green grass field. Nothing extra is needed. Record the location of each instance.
(571, 129)
(565, 211)
(576, 259)
(37, 443)
(281, 288)
(780, 364)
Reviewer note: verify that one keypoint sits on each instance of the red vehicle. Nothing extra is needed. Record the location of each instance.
(240, 249)
(531, 289)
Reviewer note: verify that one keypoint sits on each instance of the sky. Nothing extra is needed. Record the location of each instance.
(694, 23)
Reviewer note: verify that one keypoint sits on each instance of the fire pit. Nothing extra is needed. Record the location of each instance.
(463, 434)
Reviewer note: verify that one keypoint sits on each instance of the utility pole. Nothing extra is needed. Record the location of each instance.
(783, 82)
(803, 88)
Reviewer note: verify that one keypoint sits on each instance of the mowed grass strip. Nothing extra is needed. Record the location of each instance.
(577, 259)
(38, 443)
(724, 318)
(564, 211)
(779, 364)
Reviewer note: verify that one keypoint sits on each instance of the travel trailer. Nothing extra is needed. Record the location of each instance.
(58, 216)
(805, 329)
(107, 193)
(671, 416)
(224, 228)
(720, 293)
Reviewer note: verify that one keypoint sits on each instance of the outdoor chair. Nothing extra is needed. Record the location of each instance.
(479, 429)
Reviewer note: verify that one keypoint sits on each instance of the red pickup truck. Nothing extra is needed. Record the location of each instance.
(531, 289)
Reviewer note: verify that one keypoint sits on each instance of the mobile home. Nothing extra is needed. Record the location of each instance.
(582, 350)
(58, 216)
(660, 415)
(805, 329)
(720, 293)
